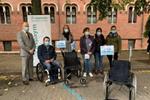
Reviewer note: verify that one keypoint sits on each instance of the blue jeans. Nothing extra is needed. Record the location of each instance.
(87, 65)
(48, 65)
(52, 75)
(98, 61)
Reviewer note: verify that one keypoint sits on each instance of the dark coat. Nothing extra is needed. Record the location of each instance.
(83, 47)
(98, 41)
(148, 41)
(115, 40)
(46, 54)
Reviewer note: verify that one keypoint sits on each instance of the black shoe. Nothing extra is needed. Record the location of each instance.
(25, 82)
(31, 79)
(96, 72)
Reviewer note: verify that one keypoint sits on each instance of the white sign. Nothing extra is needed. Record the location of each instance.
(107, 50)
(86, 56)
(73, 45)
(61, 44)
(39, 26)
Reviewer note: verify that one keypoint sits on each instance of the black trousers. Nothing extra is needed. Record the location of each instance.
(110, 58)
(148, 47)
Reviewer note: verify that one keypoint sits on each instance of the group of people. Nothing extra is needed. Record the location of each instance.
(89, 45)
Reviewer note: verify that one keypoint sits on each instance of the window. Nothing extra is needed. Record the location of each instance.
(132, 17)
(26, 10)
(5, 14)
(112, 15)
(70, 14)
(7, 45)
(131, 43)
(50, 10)
(91, 15)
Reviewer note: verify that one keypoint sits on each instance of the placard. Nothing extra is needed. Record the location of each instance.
(107, 50)
(60, 44)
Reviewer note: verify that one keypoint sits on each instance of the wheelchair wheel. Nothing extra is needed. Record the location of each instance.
(83, 81)
(39, 72)
(79, 73)
(66, 82)
(133, 89)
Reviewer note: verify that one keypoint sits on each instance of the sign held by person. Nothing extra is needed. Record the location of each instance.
(107, 50)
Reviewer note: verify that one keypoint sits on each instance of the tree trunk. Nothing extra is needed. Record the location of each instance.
(36, 7)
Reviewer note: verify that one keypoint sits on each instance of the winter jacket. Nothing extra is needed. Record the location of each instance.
(83, 47)
(98, 41)
(115, 40)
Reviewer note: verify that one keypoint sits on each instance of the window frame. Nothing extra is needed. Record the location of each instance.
(72, 15)
(92, 16)
(6, 15)
(49, 6)
(133, 18)
(111, 18)
(26, 13)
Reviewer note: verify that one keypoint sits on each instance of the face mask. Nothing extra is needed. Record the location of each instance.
(113, 31)
(98, 33)
(66, 30)
(87, 33)
(46, 43)
(26, 29)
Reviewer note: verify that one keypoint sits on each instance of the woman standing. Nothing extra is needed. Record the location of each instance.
(99, 40)
(68, 37)
(85, 46)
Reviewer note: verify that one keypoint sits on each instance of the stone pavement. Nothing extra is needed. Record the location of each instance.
(11, 87)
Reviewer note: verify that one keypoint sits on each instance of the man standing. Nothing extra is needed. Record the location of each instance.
(113, 38)
(27, 46)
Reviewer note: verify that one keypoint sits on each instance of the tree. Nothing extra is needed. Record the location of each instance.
(140, 8)
(104, 5)
(36, 7)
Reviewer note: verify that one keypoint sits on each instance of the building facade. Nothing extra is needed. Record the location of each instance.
(78, 14)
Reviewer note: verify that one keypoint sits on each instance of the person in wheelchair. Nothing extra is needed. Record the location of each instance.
(47, 57)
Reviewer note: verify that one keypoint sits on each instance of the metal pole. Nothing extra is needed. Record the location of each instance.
(59, 21)
(130, 53)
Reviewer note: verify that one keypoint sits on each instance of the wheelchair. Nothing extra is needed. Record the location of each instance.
(72, 66)
(53, 76)
(120, 74)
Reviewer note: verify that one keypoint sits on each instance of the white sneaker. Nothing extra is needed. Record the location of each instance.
(84, 74)
(48, 80)
(90, 74)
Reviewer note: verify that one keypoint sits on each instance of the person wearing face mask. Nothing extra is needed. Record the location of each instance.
(85, 48)
(47, 55)
(68, 37)
(27, 46)
(114, 39)
(99, 40)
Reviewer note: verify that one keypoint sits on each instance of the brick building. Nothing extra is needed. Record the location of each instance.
(77, 14)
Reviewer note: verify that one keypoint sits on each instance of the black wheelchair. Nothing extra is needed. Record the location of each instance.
(72, 66)
(53, 76)
(120, 74)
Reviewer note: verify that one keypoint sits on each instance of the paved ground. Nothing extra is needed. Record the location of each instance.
(11, 87)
